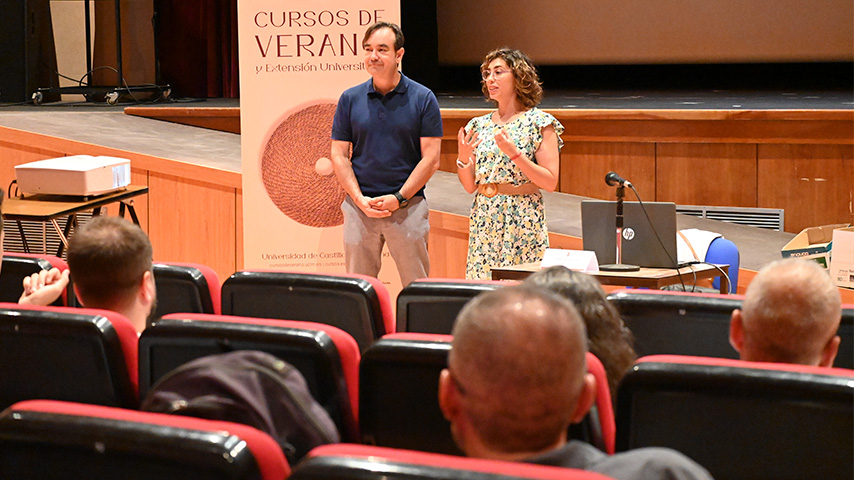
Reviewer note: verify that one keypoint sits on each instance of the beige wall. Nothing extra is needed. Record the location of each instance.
(648, 31)
(69, 31)
(69, 35)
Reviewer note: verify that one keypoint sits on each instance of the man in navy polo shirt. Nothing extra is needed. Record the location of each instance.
(394, 128)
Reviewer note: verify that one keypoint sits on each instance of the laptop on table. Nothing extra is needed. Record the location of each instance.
(639, 245)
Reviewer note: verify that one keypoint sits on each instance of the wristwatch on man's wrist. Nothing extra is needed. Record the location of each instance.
(402, 202)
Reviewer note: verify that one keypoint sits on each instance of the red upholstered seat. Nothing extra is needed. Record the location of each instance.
(378, 463)
(604, 406)
(187, 288)
(741, 420)
(326, 356)
(18, 265)
(399, 375)
(358, 304)
(52, 439)
(845, 355)
(62, 353)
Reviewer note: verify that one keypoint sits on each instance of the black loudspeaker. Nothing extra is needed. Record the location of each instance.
(27, 51)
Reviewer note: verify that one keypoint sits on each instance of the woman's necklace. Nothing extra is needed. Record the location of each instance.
(505, 119)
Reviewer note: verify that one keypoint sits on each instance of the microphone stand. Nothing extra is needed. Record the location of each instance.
(619, 266)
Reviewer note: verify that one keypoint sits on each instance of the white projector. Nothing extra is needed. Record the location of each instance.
(78, 175)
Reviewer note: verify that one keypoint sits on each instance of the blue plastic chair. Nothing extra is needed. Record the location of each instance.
(723, 251)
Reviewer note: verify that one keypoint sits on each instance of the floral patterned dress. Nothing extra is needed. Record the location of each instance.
(507, 229)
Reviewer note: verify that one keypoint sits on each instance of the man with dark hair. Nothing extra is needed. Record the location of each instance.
(111, 262)
(393, 127)
(791, 314)
(517, 378)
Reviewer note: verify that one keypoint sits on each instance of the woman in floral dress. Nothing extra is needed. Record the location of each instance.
(507, 156)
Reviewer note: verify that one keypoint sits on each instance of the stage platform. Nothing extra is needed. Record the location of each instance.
(581, 99)
(186, 157)
(224, 113)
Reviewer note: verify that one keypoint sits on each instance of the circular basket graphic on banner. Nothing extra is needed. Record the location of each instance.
(296, 169)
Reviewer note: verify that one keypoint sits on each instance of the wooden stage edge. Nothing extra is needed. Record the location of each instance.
(227, 119)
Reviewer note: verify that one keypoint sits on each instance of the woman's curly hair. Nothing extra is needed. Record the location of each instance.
(608, 337)
(529, 90)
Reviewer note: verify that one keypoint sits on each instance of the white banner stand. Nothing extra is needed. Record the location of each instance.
(296, 57)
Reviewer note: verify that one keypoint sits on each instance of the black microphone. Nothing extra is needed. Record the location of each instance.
(613, 179)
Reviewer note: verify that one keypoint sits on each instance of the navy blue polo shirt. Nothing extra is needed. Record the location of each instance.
(386, 131)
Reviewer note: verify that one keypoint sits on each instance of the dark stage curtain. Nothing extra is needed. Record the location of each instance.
(196, 47)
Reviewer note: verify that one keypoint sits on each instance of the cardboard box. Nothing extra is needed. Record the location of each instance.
(842, 258)
(813, 243)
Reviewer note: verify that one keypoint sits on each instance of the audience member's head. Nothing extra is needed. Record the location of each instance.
(791, 313)
(608, 337)
(111, 264)
(517, 374)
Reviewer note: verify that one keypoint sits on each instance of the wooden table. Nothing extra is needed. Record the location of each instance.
(654, 278)
(50, 208)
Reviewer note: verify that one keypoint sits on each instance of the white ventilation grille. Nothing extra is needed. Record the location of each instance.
(767, 218)
(39, 235)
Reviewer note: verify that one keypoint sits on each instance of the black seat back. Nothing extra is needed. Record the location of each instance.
(57, 440)
(678, 323)
(399, 391)
(741, 420)
(321, 357)
(183, 288)
(350, 303)
(431, 306)
(65, 354)
(398, 396)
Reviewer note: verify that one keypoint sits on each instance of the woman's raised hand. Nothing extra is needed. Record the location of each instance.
(506, 145)
(466, 143)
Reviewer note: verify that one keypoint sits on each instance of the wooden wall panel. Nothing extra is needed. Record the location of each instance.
(719, 131)
(238, 227)
(814, 184)
(452, 121)
(448, 156)
(448, 244)
(193, 221)
(583, 166)
(12, 153)
(706, 174)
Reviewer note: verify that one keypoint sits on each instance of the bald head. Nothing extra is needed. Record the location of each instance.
(791, 313)
(518, 360)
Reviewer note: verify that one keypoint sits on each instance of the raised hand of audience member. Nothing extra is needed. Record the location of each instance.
(43, 288)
